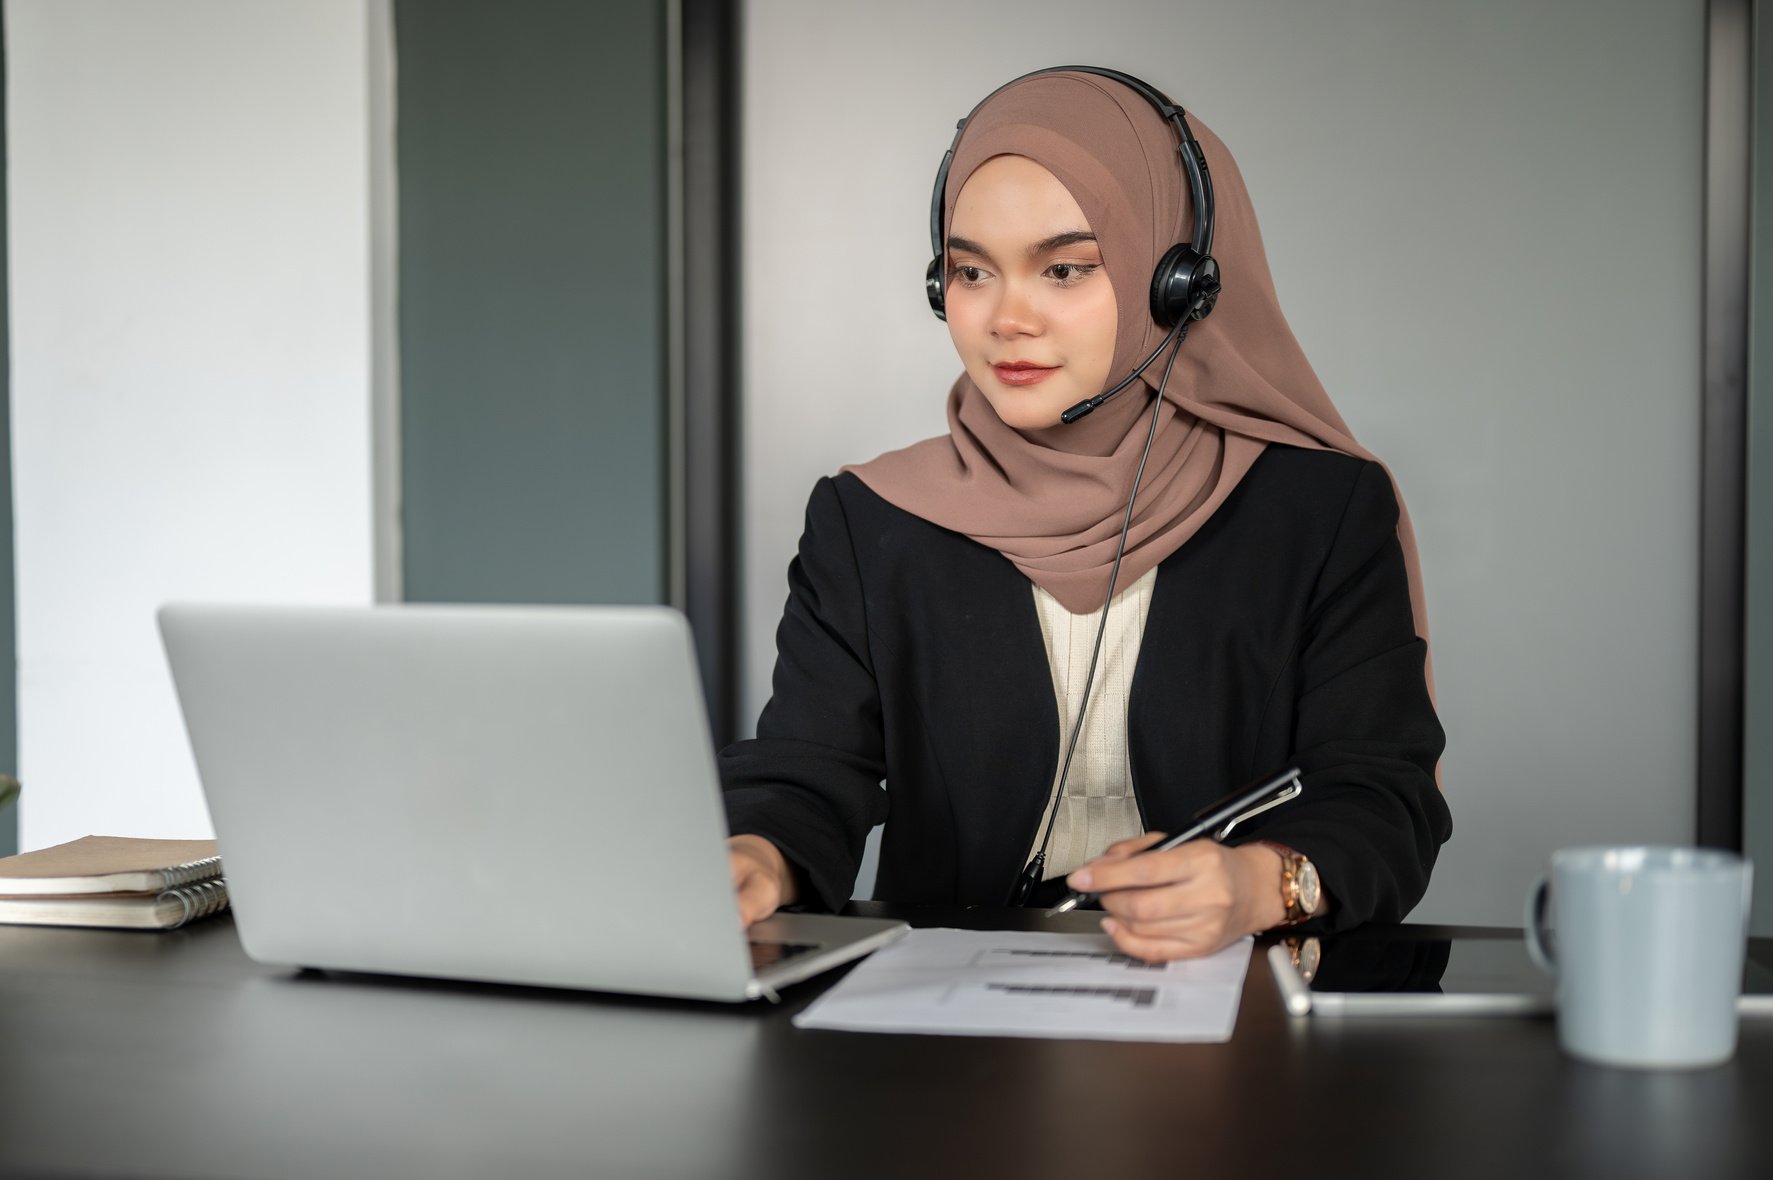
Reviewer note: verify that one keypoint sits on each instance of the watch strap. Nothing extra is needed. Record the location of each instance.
(1292, 863)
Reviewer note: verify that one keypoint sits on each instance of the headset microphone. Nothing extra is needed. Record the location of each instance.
(1089, 405)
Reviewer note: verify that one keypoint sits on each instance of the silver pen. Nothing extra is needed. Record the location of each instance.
(1215, 821)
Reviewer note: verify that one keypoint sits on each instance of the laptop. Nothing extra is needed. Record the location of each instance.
(505, 794)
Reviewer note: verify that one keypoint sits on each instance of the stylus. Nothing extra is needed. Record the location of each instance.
(1216, 821)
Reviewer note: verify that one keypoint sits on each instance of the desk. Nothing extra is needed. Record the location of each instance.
(174, 1055)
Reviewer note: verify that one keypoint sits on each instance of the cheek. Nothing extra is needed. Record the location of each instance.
(957, 330)
(1092, 325)
(965, 320)
(970, 335)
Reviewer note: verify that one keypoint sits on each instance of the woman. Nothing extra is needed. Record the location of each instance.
(944, 605)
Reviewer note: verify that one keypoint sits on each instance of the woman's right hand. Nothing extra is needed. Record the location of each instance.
(761, 877)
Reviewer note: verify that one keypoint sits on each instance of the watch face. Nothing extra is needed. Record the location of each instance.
(1310, 893)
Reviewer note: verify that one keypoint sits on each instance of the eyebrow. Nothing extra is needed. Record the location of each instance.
(1059, 241)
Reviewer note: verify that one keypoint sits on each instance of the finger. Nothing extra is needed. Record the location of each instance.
(1150, 950)
(757, 891)
(1156, 903)
(1165, 948)
(1206, 893)
(1191, 928)
(1081, 877)
(1172, 867)
(758, 898)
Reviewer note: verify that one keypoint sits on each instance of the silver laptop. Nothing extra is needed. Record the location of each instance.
(510, 794)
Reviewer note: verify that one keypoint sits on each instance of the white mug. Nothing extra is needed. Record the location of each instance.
(1649, 949)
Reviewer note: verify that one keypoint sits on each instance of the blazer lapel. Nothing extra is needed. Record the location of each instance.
(998, 738)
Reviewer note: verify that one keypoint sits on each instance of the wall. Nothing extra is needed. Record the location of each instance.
(190, 279)
(1459, 209)
(8, 637)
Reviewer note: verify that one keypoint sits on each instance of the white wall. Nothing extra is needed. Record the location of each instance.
(190, 272)
(1463, 206)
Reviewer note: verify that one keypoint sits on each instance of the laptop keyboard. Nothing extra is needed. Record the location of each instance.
(773, 954)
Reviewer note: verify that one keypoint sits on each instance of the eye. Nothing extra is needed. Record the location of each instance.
(1068, 274)
(969, 276)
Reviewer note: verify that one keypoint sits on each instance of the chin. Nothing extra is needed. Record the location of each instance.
(1021, 411)
(1022, 416)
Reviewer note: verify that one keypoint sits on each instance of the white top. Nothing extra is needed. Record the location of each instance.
(1099, 807)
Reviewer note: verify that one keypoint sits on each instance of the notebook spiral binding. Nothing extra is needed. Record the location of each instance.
(192, 870)
(199, 900)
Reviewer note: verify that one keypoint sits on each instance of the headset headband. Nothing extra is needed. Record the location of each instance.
(1194, 162)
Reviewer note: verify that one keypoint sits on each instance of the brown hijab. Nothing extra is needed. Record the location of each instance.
(1052, 500)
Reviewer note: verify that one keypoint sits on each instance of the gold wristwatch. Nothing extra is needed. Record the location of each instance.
(1300, 890)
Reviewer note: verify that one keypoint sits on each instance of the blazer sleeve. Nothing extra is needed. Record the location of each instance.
(1371, 818)
(810, 782)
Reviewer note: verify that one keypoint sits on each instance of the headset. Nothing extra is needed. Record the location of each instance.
(1184, 288)
(1185, 285)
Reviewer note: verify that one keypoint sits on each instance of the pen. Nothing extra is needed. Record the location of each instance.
(1216, 820)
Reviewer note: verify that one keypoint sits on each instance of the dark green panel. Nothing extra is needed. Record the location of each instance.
(532, 332)
(8, 635)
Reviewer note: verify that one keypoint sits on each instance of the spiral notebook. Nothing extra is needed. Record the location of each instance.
(165, 910)
(114, 881)
(108, 864)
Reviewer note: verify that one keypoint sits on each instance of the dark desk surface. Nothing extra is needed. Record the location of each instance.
(173, 1055)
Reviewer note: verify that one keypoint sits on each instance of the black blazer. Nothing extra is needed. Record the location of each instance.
(1279, 634)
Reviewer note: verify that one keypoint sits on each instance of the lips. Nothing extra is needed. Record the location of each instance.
(1023, 372)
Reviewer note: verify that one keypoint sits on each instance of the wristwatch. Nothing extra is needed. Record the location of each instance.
(1300, 891)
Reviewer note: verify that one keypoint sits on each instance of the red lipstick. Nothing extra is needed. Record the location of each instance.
(1022, 372)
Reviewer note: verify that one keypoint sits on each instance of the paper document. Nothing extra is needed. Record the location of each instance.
(1013, 984)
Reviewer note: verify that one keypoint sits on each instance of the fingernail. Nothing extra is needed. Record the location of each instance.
(1079, 879)
(1109, 926)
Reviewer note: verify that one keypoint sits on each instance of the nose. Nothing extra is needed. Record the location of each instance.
(1015, 313)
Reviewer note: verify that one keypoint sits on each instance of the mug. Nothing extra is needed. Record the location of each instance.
(1649, 949)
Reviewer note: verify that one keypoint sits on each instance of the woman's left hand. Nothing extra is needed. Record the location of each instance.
(1186, 902)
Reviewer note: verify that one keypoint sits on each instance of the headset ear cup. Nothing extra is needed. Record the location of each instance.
(1185, 285)
(1204, 291)
(1204, 287)
(935, 288)
(1170, 285)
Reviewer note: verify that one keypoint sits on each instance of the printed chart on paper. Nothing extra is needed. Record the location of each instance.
(973, 983)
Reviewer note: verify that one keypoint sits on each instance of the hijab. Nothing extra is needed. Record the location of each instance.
(1052, 500)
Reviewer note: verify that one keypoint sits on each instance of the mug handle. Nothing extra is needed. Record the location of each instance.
(1533, 924)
